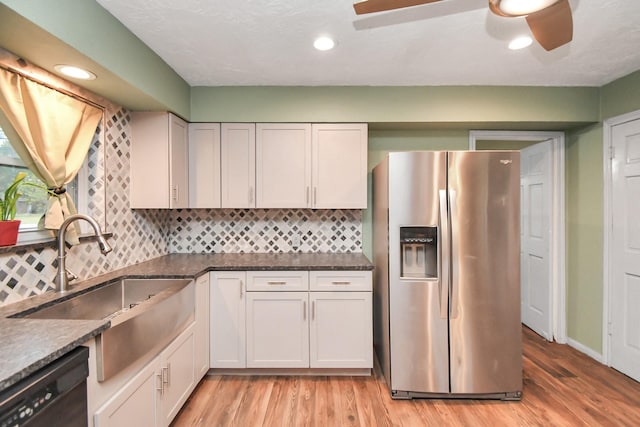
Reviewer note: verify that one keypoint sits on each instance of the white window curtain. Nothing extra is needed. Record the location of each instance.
(53, 132)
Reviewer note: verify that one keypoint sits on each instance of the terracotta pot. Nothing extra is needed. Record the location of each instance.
(9, 232)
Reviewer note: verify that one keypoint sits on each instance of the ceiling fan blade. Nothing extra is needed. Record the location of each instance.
(552, 26)
(371, 6)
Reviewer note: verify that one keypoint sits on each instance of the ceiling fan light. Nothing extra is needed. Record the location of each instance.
(520, 42)
(519, 7)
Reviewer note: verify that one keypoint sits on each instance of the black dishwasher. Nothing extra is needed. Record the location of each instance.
(56, 395)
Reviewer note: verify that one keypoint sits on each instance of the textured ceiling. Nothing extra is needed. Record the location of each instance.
(454, 42)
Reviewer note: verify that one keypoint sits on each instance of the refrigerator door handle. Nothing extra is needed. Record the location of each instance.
(455, 231)
(444, 255)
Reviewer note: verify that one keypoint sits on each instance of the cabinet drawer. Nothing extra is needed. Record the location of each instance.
(277, 281)
(335, 281)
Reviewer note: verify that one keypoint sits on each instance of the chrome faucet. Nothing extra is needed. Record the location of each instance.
(64, 276)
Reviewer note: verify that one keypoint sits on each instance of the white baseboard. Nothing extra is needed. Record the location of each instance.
(584, 349)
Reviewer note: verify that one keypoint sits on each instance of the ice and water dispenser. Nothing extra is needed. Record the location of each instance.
(419, 252)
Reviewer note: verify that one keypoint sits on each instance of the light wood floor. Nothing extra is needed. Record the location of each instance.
(562, 387)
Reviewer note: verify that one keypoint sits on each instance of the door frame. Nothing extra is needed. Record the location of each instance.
(558, 253)
(607, 218)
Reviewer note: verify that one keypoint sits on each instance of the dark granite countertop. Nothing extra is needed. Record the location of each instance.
(29, 344)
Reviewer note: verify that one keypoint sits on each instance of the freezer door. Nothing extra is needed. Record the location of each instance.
(485, 329)
(418, 300)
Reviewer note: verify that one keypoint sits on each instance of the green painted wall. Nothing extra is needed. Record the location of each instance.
(621, 96)
(584, 203)
(441, 106)
(503, 145)
(50, 32)
(584, 236)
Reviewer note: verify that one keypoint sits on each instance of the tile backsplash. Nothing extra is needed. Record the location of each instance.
(139, 235)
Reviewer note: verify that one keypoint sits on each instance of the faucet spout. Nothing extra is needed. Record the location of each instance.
(62, 279)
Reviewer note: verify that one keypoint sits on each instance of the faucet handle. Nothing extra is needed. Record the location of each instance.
(70, 275)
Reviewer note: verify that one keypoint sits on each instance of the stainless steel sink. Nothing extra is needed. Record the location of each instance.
(145, 314)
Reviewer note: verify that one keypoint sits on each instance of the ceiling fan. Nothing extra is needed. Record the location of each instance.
(550, 21)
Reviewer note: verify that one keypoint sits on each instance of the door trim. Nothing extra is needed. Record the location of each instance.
(607, 217)
(558, 253)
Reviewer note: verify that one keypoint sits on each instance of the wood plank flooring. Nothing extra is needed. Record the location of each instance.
(562, 387)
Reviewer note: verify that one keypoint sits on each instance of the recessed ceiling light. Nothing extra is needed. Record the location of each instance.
(75, 72)
(520, 42)
(324, 43)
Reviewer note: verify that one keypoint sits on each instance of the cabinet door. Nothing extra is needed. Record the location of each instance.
(238, 152)
(204, 165)
(149, 170)
(136, 404)
(178, 163)
(283, 165)
(341, 331)
(227, 320)
(277, 330)
(177, 372)
(202, 327)
(159, 161)
(339, 153)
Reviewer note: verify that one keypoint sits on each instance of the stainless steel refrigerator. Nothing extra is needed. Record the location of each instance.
(446, 243)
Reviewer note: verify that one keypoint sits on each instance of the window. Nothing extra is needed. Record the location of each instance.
(33, 203)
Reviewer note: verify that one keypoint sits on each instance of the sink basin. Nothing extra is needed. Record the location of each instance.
(145, 315)
(109, 301)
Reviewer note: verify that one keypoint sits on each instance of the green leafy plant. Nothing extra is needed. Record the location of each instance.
(11, 196)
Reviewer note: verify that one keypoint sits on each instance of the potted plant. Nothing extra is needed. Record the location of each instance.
(9, 226)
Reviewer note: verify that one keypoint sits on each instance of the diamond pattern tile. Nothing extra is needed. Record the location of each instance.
(139, 235)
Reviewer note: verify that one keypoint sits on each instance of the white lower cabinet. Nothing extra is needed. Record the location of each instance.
(227, 320)
(136, 404)
(202, 327)
(292, 319)
(177, 373)
(277, 330)
(340, 330)
(155, 395)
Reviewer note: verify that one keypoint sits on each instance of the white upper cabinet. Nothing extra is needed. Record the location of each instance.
(159, 161)
(204, 165)
(283, 165)
(339, 153)
(238, 154)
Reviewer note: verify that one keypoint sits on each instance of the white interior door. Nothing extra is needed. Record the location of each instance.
(624, 328)
(536, 237)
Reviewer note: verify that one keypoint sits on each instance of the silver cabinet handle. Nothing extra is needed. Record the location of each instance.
(276, 282)
(307, 197)
(341, 282)
(175, 193)
(313, 310)
(165, 374)
(159, 377)
(241, 286)
(250, 195)
(304, 310)
(444, 255)
(315, 196)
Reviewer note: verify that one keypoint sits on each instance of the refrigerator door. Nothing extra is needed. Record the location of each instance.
(485, 330)
(417, 300)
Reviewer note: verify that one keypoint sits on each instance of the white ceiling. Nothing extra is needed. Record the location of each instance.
(454, 42)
